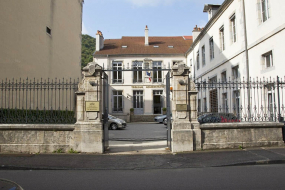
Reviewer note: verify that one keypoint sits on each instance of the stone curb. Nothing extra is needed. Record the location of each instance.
(260, 162)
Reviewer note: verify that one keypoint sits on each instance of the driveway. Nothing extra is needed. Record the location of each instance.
(139, 132)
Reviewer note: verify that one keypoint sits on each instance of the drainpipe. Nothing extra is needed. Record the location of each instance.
(246, 56)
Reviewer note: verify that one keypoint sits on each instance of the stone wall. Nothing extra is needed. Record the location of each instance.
(237, 135)
(143, 118)
(23, 138)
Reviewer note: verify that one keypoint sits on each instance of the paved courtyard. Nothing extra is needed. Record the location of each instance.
(140, 132)
(145, 138)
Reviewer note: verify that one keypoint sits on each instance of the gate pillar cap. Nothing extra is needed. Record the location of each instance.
(180, 68)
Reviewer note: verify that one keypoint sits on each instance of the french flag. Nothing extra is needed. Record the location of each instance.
(148, 74)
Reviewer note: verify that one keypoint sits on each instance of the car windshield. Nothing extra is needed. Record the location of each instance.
(111, 117)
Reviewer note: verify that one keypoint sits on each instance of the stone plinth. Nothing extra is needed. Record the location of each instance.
(88, 133)
(183, 131)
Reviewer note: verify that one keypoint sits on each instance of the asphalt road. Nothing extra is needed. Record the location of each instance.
(236, 177)
(140, 131)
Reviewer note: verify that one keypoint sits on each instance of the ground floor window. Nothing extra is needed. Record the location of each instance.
(138, 101)
(117, 101)
(157, 101)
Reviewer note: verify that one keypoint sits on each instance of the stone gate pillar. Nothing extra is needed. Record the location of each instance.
(88, 133)
(184, 124)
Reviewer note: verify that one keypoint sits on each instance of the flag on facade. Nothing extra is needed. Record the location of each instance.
(148, 74)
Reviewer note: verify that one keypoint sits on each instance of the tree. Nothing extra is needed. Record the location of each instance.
(87, 49)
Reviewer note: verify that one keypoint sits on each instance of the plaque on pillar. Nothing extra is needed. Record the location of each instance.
(92, 106)
(181, 107)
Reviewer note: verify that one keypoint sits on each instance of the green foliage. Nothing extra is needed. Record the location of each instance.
(87, 49)
(14, 116)
(164, 109)
(73, 151)
(60, 150)
(132, 110)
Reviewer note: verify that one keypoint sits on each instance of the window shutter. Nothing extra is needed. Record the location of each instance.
(269, 8)
(259, 12)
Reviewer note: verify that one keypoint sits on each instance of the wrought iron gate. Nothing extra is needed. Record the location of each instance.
(105, 95)
(169, 126)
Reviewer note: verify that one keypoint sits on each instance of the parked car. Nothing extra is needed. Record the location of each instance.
(161, 118)
(116, 123)
(217, 118)
(165, 121)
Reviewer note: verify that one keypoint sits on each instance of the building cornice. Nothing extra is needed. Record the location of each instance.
(210, 23)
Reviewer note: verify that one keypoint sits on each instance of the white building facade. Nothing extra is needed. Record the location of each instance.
(126, 61)
(242, 41)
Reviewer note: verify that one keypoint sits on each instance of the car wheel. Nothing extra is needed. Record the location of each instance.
(114, 126)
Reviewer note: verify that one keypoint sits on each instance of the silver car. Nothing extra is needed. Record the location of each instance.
(160, 118)
(116, 123)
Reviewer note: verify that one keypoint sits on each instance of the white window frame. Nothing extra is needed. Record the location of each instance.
(157, 66)
(117, 69)
(138, 65)
(233, 28)
(212, 52)
(264, 10)
(198, 60)
(235, 72)
(268, 59)
(203, 56)
(222, 38)
(116, 95)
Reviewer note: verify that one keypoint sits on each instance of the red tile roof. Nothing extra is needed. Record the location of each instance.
(136, 45)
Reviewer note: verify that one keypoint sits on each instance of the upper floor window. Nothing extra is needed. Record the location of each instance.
(264, 10)
(157, 72)
(211, 43)
(233, 28)
(267, 59)
(117, 72)
(224, 76)
(198, 60)
(137, 73)
(235, 72)
(222, 38)
(203, 56)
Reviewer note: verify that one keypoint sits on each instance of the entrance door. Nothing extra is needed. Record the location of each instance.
(138, 102)
(157, 101)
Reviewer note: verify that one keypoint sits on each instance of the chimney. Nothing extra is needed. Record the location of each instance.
(196, 31)
(99, 41)
(146, 36)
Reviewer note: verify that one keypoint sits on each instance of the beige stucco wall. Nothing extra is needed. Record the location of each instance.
(27, 50)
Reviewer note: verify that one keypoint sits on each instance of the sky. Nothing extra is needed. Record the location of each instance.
(117, 18)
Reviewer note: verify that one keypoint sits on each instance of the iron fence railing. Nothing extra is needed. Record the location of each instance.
(38, 101)
(256, 100)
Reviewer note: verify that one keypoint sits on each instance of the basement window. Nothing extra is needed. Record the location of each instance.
(155, 46)
(124, 46)
(48, 30)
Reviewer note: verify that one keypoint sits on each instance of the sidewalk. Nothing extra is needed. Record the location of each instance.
(197, 159)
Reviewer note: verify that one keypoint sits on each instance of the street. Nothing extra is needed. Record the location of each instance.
(236, 177)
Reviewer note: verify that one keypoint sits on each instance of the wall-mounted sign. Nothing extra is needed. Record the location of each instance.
(92, 106)
(181, 107)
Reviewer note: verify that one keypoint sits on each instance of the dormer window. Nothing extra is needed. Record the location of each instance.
(124, 46)
(155, 46)
(170, 46)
